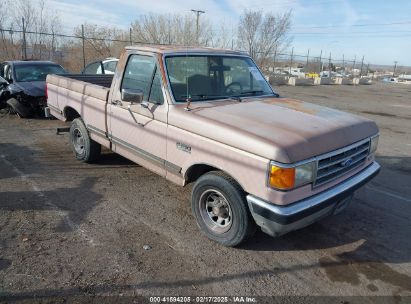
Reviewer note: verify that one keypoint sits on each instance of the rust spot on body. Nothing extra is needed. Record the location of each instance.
(292, 104)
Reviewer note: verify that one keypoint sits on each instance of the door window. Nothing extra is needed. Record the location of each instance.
(139, 74)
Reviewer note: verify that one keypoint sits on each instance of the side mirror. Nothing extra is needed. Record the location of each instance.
(132, 95)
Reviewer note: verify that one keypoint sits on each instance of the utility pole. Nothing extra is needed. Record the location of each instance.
(395, 67)
(198, 13)
(130, 36)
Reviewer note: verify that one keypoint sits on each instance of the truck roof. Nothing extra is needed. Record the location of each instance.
(181, 49)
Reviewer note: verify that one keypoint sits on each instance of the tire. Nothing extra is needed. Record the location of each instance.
(220, 208)
(20, 109)
(85, 149)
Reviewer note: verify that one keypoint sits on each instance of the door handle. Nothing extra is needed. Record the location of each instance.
(144, 104)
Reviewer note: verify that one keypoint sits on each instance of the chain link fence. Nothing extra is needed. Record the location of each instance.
(321, 65)
(71, 51)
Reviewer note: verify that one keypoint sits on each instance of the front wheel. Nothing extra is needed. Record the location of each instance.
(220, 208)
(84, 148)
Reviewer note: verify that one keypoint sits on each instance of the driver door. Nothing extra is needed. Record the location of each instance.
(138, 130)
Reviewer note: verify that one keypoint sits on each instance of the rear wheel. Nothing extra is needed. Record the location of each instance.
(84, 148)
(220, 208)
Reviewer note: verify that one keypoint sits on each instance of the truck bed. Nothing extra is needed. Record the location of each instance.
(74, 95)
(97, 86)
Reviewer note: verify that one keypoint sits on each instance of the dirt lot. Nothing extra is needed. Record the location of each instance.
(69, 229)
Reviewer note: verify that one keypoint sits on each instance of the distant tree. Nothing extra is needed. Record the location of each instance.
(176, 29)
(38, 19)
(263, 34)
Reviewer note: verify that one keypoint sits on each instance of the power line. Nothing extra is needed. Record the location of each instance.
(350, 33)
(291, 2)
(353, 25)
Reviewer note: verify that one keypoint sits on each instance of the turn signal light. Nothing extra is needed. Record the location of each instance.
(282, 178)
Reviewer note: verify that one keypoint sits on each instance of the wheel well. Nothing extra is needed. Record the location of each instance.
(195, 171)
(70, 113)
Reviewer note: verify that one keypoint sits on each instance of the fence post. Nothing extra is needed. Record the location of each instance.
(24, 46)
(343, 64)
(52, 47)
(362, 64)
(4, 42)
(353, 65)
(84, 52)
(329, 66)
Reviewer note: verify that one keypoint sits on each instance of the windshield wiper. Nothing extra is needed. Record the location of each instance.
(205, 96)
(251, 92)
(254, 92)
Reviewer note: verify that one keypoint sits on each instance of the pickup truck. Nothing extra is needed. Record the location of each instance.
(209, 117)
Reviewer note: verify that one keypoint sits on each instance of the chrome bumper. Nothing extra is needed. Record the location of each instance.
(277, 220)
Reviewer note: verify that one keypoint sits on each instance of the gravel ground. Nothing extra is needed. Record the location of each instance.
(73, 231)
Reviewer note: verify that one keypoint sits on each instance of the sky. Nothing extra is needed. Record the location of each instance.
(379, 30)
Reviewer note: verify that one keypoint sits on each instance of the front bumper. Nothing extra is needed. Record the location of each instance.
(276, 220)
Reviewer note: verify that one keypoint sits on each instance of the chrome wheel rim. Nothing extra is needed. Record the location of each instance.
(78, 141)
(215, 211)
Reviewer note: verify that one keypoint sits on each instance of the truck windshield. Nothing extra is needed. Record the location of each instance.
(36, 72)
(201, 77)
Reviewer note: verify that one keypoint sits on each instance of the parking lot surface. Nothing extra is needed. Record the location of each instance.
(69, 229)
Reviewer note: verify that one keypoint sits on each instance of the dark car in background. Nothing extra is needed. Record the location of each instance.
(23, 85)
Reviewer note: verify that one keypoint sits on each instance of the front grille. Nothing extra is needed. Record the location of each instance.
(333, 165)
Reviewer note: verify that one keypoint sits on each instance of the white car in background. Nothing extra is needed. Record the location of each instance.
(106, 66)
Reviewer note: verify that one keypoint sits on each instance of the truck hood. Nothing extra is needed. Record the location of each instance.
(33, 88)
(285, 130)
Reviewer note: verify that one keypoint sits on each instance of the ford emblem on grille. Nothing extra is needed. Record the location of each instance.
(346, 163)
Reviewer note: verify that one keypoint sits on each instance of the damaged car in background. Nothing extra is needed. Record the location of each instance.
(23, 86)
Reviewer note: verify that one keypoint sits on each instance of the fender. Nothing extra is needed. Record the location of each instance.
(18, 107)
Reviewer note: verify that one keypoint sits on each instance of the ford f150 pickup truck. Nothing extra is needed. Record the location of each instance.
(208, 116)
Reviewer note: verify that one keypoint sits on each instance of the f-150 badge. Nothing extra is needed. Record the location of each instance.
(183, 147)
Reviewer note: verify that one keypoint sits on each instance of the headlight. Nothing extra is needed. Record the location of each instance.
(374, 144)
(289, 177)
